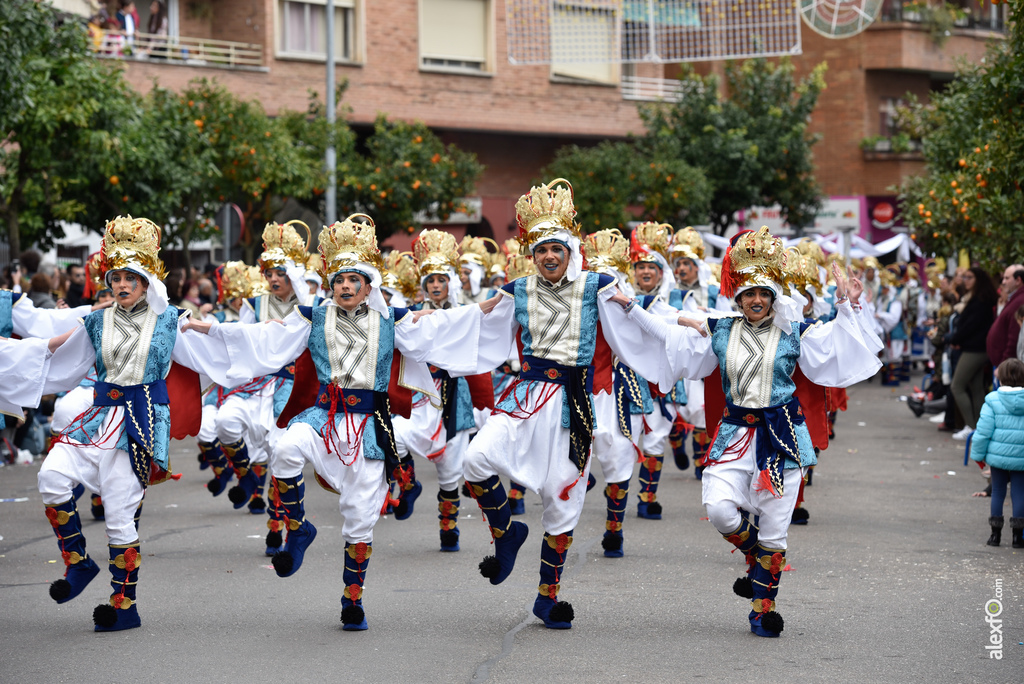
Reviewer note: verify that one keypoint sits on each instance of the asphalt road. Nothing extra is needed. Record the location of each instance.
(888, 584)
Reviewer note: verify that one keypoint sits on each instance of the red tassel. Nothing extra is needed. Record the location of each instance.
(764, 483)
(564, 496)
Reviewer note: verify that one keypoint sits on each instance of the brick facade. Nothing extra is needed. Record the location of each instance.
(515, 117)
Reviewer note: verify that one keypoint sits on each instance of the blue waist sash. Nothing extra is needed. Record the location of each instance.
(627, 391)
(288, 372)
(578, 382)
(369, 402)
(138, 402)
(776, 437)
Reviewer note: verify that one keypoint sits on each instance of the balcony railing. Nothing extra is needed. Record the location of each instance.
(981, 16)
(179, 50)
(647, 88)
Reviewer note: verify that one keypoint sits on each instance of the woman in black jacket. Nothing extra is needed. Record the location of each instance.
(973, 369)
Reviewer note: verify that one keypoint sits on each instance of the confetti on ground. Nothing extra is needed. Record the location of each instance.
(253, 536)
(171, 506)
(951, 472)
(18, 500)
(925, 462)
(862, 424)
(788, 568)
(705, 518)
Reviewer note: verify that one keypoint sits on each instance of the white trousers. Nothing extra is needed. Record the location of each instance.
(613, 451)
(422, 435)
(655, 441)
(70, 406)
(731, 485)
(361, 486)
(534, 452)
(208, 428)
(250, 418)
(108, 472)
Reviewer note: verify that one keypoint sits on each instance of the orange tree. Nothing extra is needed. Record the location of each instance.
(60, 113)
(402, 173)
(613, 185)
(973, 139)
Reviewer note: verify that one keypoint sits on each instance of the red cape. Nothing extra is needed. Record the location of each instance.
(186, 401)
(811, 396)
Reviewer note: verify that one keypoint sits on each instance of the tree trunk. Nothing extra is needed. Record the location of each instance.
(13, 234)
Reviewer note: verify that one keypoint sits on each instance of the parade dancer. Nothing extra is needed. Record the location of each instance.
(235, 282)
(621, 398)
(889, 313)
(120, 444)
(474, 262)
(754, 467)
(439, 433)
(345, 432)
(400, 283)
(540, 432)
(654, 279)
(246, 420)
(692, 275)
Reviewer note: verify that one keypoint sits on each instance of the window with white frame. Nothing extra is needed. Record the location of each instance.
(455, 35)
(302, 29)
(584, 41)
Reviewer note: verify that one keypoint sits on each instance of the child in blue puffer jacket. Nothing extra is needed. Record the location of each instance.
(999, 442)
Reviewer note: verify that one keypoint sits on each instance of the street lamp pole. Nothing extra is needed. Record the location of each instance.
(330, 196)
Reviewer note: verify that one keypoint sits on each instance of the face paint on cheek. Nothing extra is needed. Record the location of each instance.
(358, 285)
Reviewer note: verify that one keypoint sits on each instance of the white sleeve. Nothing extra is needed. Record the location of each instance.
(835, 354)
(28, 321)
(246, 314)
(481, 344)
(23, 366)
(869, 327)
(70, 363)
(205, 354)
(260, 348)
(448, 339)
(659, 352)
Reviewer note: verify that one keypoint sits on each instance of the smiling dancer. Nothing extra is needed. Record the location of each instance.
(120, 445)
(541, 430)
(439, 433)
(246, 420)
(345, 432)
(763, 444)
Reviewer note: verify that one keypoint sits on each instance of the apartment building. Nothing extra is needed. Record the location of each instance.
(445, 62)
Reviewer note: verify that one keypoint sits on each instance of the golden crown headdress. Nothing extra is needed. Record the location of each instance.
(257, 283)
(889, 277)
(687, 243)
(607, 249)
(514, 246)
(344, 244)
(314, 262)
(649, 238)
(401, 273)
(809, 247)
(793, 271)
(519, 266)
(131, 241)
(282, 242)
(753, 259)
(811, 273)
(435, 251)
(496, 264)
(716, 273)
(545, 211)
(233, 281)
(474, 250)
(872, 262)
